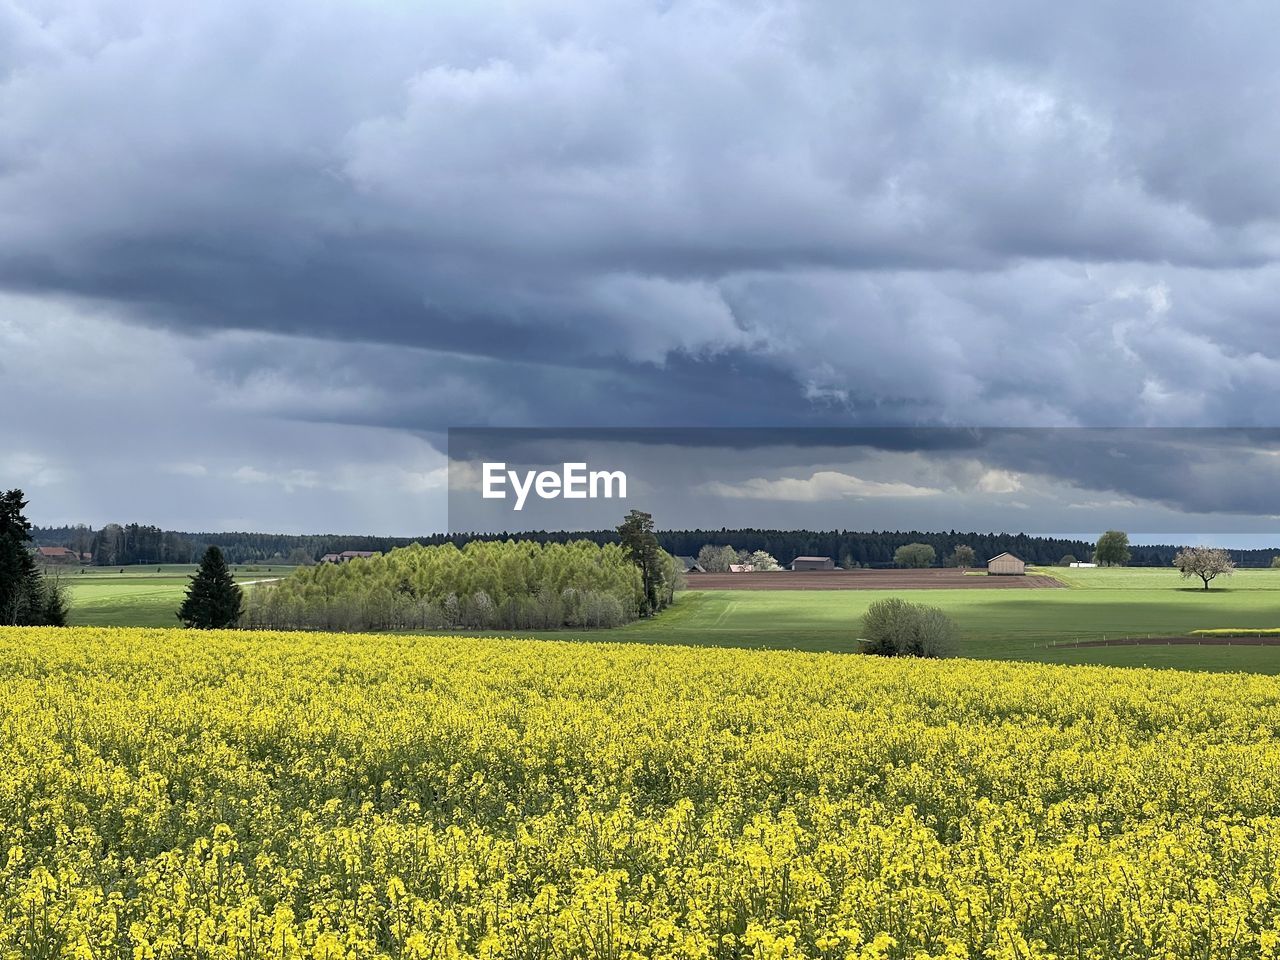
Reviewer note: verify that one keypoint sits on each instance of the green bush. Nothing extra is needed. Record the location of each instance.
(894, 627)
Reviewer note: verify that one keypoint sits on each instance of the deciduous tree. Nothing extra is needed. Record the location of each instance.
(1112, 549)
(1205, 563)
(915, 555)
(760, 560)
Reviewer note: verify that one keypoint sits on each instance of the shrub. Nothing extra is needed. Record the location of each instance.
(1067, 561)
(894, 627)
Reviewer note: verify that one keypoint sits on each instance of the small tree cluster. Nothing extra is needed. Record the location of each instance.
(714, 559)
(504, 585)
(915, 555)
(894, 627)
(962, 557)
(1275, 563)
(1067, 560)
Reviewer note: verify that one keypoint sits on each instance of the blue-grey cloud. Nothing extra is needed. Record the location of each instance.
(398, 217)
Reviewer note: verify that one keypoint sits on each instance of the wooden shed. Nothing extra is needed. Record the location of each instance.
(813, 563)
(1006, 565)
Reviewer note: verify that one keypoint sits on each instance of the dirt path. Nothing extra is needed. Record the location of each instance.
(1175, 642)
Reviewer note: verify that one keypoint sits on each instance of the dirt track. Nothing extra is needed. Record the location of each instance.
(1176, 642)
(936, 579)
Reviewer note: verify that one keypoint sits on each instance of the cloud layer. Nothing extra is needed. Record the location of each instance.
(386, 217)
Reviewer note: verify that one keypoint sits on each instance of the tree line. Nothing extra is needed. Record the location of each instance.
(120, 545)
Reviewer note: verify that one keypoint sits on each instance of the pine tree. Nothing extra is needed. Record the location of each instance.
(638, 539)
(27, 598)
(214, 600)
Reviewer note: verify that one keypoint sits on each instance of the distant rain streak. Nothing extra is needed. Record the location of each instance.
(573, 482)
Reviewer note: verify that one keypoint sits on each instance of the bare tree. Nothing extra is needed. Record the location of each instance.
(1204, 562)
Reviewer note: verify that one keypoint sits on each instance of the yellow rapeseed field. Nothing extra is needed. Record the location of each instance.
(184, 794)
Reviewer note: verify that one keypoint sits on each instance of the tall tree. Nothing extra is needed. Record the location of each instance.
(962, 556)
(27, 597)
(641, 544)
(214, 600)
(1204, 562)
(17, 566)
(1112, 549)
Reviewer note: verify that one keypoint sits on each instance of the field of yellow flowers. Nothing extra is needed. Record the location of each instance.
(185, 794)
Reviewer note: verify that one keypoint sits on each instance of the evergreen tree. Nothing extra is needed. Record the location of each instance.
(641, 544)
(26, 599)
(214, 600)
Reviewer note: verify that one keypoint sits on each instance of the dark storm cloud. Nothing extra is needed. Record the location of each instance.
(710, 213)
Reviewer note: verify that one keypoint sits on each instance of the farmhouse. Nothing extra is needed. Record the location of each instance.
(691, 565)
(741, 568)
(1006, 565)
(813, 563)
(57, 555)
(347, 555)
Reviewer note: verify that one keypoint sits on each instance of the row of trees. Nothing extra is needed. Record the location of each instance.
(117, 545)
(512, 585)
(714, 559)
(27, 596)
(919, 555)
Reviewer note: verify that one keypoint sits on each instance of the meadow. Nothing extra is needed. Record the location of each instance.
(1007, 624)
(141, 596)
(170, 794)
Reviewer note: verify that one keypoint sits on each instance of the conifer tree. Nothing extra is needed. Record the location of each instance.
(27, 598)
(214, 600)
(640, 542)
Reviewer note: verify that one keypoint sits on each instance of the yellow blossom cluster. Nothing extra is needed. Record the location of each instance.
(170, 794)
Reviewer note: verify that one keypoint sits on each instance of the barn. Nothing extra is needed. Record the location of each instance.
(1006, 565)
(813, 563)
(57, 555)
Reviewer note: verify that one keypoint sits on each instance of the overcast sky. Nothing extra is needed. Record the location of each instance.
(256, 258)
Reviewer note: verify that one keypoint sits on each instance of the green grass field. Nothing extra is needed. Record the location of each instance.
(1000, 624)
(996, 624)
(141, 596)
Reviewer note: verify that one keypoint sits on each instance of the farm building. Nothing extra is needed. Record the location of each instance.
(1006, 565)
(741, 568)
(346, 555)
(57, 555)
(813, 563)
(691, 565)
